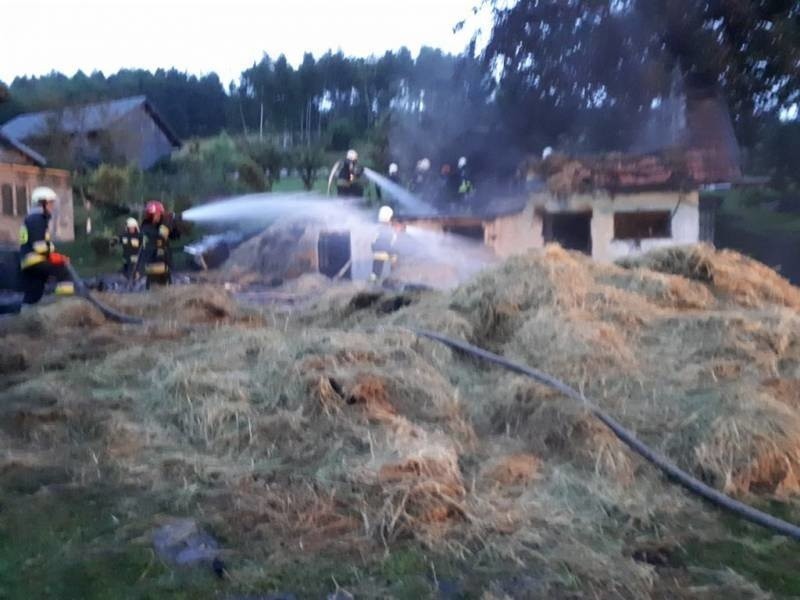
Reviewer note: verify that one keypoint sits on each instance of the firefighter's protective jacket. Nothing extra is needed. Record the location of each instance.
(131, 245)
(34, 239)
(383, 246)
(156, 251)
(348, 180)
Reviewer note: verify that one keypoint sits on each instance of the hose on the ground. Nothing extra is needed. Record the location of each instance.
(672, 471)
(109, 313)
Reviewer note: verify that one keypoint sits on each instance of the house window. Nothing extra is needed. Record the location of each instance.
(22, 201)
(7, 195)
(642, 225)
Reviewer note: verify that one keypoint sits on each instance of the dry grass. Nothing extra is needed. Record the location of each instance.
(334, 428)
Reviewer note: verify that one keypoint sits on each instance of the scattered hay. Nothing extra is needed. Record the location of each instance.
(513, 470)
(731, 275)
(332, 427)
(424, 492)
(784, 390)
(752, 448)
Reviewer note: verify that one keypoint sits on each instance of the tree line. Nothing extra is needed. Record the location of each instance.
(333, 94)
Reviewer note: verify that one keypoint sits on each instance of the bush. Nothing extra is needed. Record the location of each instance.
(109, 185)
(252, 176)
(101, 246)
(267, 156)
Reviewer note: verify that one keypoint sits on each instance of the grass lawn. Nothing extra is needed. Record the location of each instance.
(752, 207)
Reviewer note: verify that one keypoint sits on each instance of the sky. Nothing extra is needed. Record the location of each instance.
(224, 36)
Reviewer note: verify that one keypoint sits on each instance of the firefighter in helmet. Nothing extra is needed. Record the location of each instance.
(158, 229)
(383, 251)
(465, 187)
(348, 180)
(421, 183)
(39, 260)
(131, 242)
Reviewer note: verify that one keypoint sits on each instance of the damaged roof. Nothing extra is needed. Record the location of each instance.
(474, 207)
(617, 172)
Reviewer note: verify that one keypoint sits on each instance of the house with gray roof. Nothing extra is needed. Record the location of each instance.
(124, 131)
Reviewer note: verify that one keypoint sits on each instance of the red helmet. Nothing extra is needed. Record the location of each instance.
(154, 210)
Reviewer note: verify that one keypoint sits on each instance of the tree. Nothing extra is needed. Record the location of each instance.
(557, 59)
(267, 156)
(307, 161)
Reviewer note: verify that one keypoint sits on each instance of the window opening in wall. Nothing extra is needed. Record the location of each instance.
(473, 232)
(572, 231)
(22, 201)
(642, 225)
(7, 195)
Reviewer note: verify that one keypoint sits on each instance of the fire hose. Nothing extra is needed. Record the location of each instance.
(109, 313)
(670, 469)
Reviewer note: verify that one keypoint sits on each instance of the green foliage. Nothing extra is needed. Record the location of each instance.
(109, 185)
(612, 58)
(778, 154)
(101, 246)
(341, 133)
(267, 156)
(252, 175)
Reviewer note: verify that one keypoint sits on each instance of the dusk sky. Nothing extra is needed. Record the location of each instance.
(224, 36)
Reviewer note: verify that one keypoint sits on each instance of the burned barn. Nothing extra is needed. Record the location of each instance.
(616, 205)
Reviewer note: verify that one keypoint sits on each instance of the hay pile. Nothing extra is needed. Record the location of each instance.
(333, 429)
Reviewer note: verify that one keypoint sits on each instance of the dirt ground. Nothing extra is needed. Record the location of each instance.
(331, 450)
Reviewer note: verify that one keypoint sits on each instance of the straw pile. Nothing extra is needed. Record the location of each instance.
(334, 429)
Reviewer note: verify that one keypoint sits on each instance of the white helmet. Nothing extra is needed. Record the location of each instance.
(385, 214)
(424, 165)
(352, 155)
(393, 169)
(43, 194)
(546, 152)
(462, 162)
(131, 222)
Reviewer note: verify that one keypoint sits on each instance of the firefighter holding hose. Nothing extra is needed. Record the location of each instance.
(158, 229)
(39, 260)
(348, 180)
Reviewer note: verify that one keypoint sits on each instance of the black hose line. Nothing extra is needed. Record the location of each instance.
(672, 471)
(109, 313)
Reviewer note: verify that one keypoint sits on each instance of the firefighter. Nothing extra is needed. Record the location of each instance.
(394, 173)
(448, 184)
(465, 187)
(39, 260)
(383, 252)
(158, 229)
(131, 241)
(421, 182)
(348, 180)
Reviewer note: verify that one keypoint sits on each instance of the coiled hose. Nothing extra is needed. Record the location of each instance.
(627, 437)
